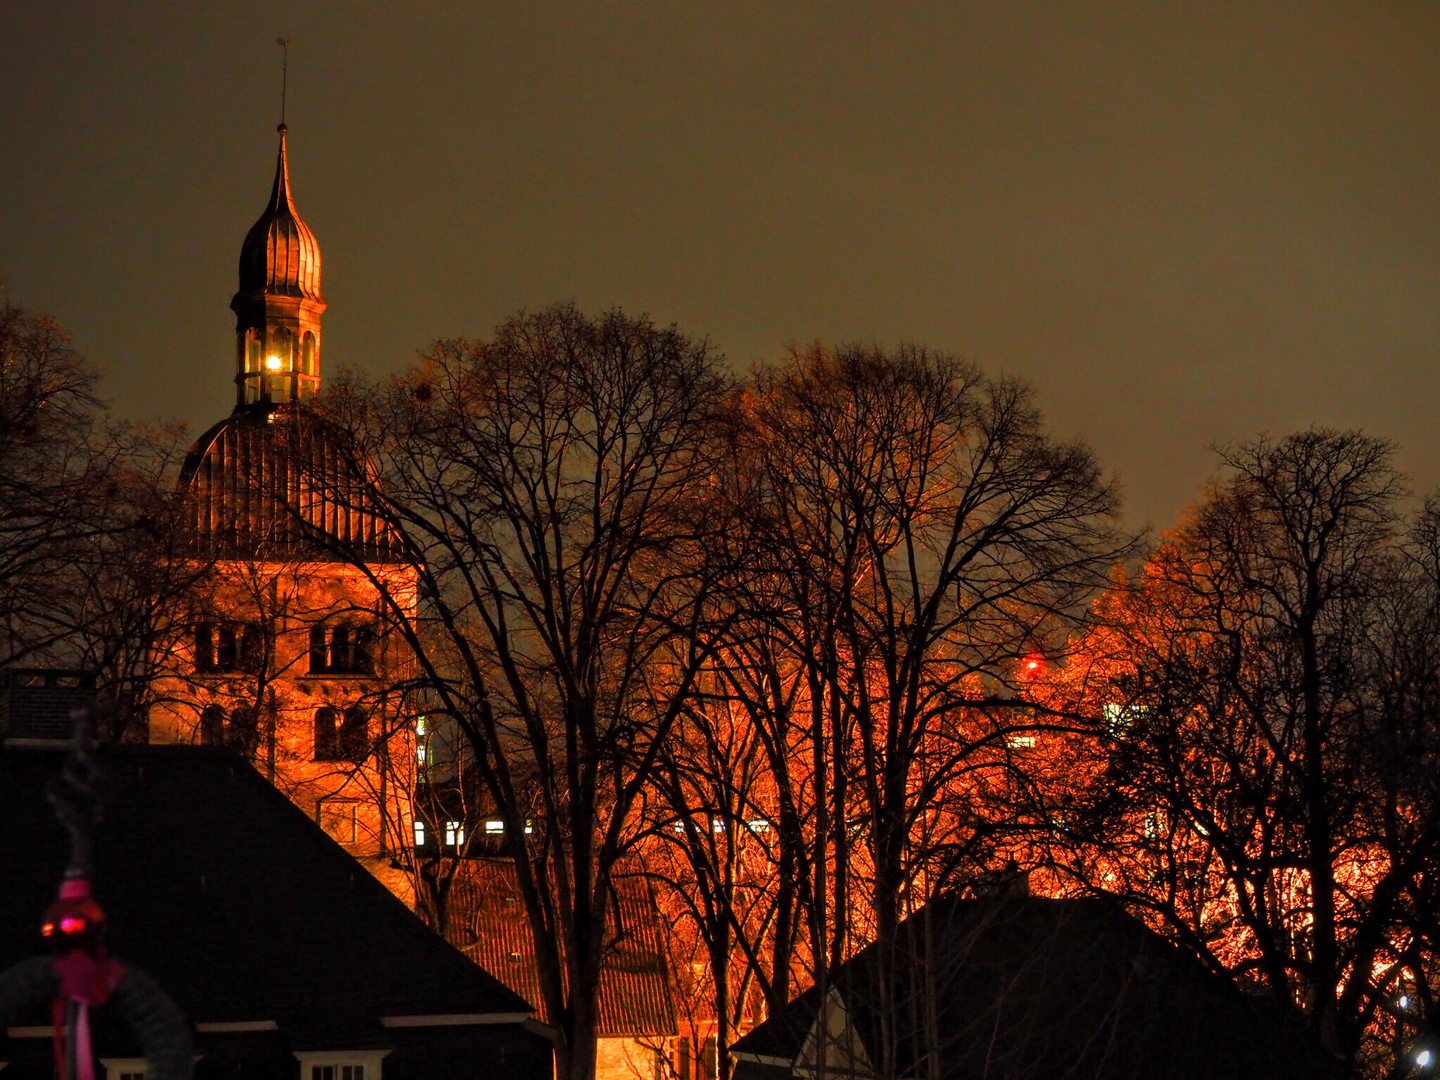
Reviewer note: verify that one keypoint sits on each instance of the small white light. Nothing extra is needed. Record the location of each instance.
(273, 363)
(1423, 1058)
(758, 825)
(1404, 1001)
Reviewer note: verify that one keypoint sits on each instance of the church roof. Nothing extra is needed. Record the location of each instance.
(277, 482)
(488, 924)
(280, 255)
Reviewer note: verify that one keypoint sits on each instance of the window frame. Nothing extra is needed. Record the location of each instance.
(370, 1060)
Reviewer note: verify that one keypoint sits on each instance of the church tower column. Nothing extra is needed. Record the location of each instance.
(278, 307)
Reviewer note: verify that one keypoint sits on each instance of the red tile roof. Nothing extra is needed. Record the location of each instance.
(488, 923)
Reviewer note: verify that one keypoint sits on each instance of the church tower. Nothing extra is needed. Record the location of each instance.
(278, 306)
(281, 650)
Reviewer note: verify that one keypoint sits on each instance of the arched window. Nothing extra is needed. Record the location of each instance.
(282, 349)
(327, 734)
(342, 737)
(355, 735)
(229, 648)
(307, 354)
(244, 732)
(342, 648)
(212, 726)
(252, 351)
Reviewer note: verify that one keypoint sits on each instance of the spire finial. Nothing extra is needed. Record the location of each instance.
(284, 43)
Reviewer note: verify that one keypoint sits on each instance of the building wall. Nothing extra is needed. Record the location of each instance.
(628, 1059)
(357, 787)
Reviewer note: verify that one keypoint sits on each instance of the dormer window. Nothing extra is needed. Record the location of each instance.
(342, 648)
(228, 648)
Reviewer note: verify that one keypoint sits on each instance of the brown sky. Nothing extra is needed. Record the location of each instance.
(1184, 223)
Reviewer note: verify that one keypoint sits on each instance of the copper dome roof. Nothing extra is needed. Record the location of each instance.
(276, 483)
(280, 255)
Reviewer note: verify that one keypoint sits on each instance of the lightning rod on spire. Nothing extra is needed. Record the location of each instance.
(284, 43)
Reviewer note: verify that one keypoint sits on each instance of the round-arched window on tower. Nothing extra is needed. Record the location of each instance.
(307, 354)
(212, 726)
(327, 734)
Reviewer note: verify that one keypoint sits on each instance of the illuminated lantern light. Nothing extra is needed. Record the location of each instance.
(1423, 1058)
(273, 363)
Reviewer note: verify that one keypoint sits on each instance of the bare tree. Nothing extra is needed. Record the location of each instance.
(949, 537)
(550, 485)
(88, 523)
(1271, 794)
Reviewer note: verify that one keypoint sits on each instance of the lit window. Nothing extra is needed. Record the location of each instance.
(679, 826)
(1020, 742)
(454, 834)
(420, 754)
(758, 825)
(420, 727)
(529, 827)
(494, 825)
(419, 833)
(717, 824)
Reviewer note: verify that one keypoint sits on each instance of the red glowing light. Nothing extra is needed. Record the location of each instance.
(73, 925)
(47, 929)
(1032, 665)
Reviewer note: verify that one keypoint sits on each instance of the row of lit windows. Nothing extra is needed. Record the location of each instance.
(454, 833)
(239, 648)
(758, 826)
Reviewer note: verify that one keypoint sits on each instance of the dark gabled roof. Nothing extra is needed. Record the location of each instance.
(232, 898)
(1025, 986)
(488, 922)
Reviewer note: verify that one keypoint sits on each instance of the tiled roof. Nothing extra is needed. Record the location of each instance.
(1024, 986)
(232, 898)
(488, 923)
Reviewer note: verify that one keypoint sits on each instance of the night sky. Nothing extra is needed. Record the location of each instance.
(1184, 223)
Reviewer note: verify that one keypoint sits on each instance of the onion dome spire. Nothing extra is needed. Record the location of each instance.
(280, 254)
(278, 306)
